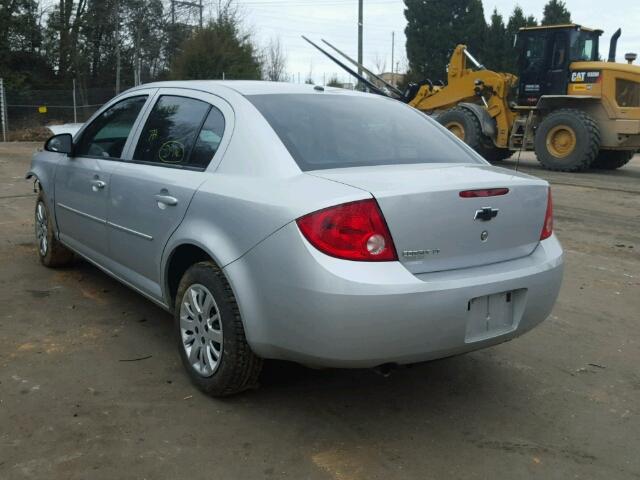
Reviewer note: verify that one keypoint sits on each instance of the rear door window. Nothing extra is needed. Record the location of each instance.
(208, 140)
(106, 136)
(180, 132)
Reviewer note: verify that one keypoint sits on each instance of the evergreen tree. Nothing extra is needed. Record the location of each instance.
(218, 48)
(517, 20)
(21, 61)
(496, 45)
(555, 13)
(433, 30)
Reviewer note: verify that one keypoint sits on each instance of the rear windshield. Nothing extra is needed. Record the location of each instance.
(331, 131)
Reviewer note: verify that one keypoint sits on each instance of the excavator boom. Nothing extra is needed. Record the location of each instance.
(372, 87)
(392, 88)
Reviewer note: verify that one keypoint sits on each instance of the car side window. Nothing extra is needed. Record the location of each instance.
(172, 131)
(108, 133)
(209, 139)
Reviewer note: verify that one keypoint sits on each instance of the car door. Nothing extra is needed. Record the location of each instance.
(82, 179)
(150, 192)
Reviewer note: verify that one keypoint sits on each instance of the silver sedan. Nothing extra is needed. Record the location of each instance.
(318, 225)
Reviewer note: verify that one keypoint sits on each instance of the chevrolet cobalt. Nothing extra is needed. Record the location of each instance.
(319, 225)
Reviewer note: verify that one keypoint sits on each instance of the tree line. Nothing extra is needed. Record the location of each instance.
(435, 27)
(118, 43)
(106, 43)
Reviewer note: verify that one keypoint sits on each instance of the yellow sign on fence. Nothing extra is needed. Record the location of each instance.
(42, 109)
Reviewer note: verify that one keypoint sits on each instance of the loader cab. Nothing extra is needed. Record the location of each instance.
(545, 54)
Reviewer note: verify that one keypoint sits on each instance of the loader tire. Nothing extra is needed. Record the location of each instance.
(612, 159)
(495, 154)
(465, 125)
(567, 140)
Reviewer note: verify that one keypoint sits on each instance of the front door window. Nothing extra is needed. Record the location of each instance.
(106, 136)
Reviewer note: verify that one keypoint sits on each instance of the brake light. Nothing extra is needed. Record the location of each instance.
(484, 192)
(547, 226)
(351, 231)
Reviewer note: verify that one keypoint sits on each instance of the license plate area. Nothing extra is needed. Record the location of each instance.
(493, 315)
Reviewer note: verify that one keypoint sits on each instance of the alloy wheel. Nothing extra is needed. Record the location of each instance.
(42, 229)
(201, 330)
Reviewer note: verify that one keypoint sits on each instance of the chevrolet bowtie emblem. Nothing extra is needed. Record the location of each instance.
(485, 214)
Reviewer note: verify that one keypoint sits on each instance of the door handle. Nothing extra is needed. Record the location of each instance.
(97, 185)
(165, 201)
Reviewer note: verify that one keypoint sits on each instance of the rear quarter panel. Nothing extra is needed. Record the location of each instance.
(230, 214)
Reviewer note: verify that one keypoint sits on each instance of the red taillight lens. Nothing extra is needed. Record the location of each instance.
(485, 192)
(547, 227)
(352, 231)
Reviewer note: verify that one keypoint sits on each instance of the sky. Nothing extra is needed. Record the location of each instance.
(336, 21)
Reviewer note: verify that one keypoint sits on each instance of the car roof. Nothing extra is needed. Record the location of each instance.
(248, 87)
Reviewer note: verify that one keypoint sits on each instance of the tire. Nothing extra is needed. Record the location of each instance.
(612, 159)
(50, 251)
(567, 140)
(495, 154)
(465, 125)
(217, 332)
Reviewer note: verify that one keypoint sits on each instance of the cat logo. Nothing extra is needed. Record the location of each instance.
(578, 76)
(585, 77)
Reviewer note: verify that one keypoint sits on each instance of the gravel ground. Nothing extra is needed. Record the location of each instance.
(560, 402)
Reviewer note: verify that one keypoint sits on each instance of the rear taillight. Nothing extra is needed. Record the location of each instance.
(352, 231)
(547, 226)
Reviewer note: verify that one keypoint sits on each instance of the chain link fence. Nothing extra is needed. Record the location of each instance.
(28, 112)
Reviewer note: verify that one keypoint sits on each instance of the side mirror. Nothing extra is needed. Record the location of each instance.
(61, 143)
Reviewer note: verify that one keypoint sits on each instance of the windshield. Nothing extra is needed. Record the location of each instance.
(331, 131)
(584, 46)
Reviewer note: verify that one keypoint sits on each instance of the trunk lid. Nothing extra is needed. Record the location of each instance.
(435, 229)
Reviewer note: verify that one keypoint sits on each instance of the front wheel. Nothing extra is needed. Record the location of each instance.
(495, 154)
(50, 251)
(464, 124)
(210, 333)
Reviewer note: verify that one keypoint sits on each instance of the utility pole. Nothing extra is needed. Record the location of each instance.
(360, 36)
(3, 111)
(75, 108)
(393, 49)
(117, 48)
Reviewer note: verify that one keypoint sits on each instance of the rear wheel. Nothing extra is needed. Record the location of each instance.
(50, 251)
(466, 126)
(567, 140)
(210, 333)
(612, 159)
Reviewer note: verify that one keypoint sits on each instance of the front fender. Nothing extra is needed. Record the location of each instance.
(42, 172)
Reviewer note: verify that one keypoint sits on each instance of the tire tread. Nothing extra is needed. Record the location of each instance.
(593, 138)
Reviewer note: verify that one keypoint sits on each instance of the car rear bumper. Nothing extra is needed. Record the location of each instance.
(299, 304)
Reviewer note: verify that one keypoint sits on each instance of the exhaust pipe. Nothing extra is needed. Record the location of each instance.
(613, 45)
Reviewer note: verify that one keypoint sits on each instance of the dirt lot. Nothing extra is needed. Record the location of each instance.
(561, 402)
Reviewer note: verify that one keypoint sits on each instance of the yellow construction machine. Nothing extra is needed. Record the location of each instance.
(572, 109)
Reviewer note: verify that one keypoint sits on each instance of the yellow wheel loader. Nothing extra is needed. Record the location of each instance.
(575, 111)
